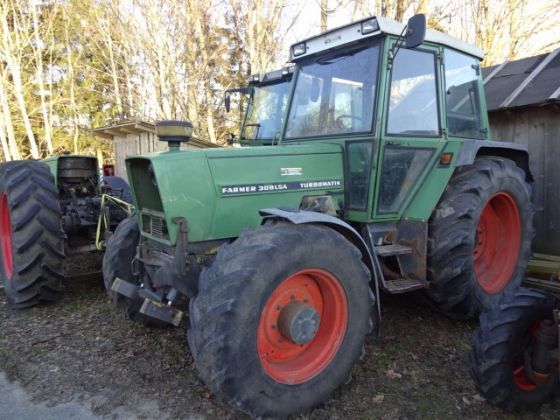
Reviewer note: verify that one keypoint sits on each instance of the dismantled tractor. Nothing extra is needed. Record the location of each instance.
(383, 177)
(49, 209)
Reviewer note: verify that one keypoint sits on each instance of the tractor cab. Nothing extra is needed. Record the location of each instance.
(267, 100)
(398, 98)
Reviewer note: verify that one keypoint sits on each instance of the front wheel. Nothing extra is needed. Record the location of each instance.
(479, 238)
(511, 360)
(117, 263)
(280, 318)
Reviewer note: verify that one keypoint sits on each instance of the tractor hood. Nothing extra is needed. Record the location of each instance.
(220, 191)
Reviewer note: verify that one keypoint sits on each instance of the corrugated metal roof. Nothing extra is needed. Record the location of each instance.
(526, 82)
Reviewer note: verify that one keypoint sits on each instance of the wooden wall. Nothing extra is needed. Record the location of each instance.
(539, 129)
(137, 144)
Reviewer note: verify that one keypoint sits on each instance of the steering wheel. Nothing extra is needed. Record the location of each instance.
(339, 123)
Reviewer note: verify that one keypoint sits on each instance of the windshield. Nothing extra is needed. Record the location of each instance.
(334, 94)
(265, 113)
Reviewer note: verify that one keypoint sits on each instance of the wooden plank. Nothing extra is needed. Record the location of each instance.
(494, 72)
(555, 94)
(546, 257)
(552, 181)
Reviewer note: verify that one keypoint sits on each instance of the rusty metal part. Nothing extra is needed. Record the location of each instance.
(545, 340)
(550, 286)
(298, 322)
(74, 169)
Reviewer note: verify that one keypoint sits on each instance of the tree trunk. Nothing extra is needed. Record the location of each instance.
(324, 15)
(13, 67)
(5, 149)
(39, 74)
(6, 115)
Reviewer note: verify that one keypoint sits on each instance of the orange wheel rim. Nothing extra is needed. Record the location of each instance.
(498, 241)
(310, 291)
(520, 376)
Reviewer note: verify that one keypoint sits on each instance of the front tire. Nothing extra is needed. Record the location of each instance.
(280, 318)
(117, 262)
(496, 359)
(479, 239)
(31, 235)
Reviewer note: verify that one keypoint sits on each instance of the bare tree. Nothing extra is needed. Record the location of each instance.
(13, 44)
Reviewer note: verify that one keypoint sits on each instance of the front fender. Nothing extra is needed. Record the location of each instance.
(298, 217)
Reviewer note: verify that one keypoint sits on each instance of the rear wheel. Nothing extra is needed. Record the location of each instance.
(31, 235)
(504, 361)
(279, 320)
(480, 237)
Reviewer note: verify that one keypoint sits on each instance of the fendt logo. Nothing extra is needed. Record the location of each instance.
(291, 171)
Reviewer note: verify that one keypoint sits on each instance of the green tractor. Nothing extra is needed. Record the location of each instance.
(49, 210)
(267, 100)
(384, 178)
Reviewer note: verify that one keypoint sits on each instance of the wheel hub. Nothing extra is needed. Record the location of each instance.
(302, 326)
(298, 322)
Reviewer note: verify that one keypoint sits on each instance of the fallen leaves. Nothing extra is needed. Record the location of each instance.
(392, 374)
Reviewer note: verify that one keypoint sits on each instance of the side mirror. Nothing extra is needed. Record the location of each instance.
(230, 139)
(227, 101)
(416, 31)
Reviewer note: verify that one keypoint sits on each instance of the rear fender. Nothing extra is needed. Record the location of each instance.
(471, 149)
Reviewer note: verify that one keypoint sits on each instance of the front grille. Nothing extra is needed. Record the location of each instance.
(153, 223)
(157, 227)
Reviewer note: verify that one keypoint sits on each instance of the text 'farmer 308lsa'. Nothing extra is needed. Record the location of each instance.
(383, 177)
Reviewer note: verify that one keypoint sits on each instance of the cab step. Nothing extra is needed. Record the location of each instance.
(392, 250)
(403, 285)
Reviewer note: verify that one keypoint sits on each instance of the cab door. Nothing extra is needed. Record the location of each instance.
(412, 134)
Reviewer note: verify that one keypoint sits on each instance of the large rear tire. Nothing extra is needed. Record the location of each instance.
(479, 240)
(496, 360)
(31, 235)
(280, 318)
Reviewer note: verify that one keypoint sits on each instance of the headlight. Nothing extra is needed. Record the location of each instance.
(369, 26)
(299, 49)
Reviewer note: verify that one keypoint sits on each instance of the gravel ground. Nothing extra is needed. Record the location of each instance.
(81, 351)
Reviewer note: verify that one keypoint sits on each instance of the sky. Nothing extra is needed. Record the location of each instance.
(308, 23)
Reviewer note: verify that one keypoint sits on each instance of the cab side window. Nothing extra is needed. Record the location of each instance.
(462, 95)
(413, 104)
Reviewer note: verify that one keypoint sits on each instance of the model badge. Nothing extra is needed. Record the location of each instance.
(291, 171)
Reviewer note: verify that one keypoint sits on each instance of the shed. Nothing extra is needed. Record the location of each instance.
(136, 137)
(523, 98)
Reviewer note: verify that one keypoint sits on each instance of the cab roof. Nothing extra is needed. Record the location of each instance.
(352, 32)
